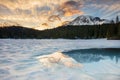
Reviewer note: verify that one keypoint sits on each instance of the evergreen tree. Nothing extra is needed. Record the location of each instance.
(117, 19)
(110, 31)
(112, 22)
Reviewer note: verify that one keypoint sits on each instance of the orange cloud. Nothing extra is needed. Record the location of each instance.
(54, 12)
(45, 24)
(70, 8)
(71, 13)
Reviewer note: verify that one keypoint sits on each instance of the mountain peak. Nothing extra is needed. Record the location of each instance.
(88, 20)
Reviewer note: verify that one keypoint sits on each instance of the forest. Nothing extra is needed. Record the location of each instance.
(109, 31)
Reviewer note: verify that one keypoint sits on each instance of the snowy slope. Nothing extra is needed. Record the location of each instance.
(88, 20)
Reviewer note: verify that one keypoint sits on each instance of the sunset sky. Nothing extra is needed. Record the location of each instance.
(42, 14)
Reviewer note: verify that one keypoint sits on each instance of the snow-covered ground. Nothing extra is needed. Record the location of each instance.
(18, 59)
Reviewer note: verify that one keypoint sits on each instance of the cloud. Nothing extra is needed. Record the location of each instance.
(20, 11)
(102, 8)
(41, 11)
(5, 10)
(54, 18)
(65, 22)
(56, 12)
(70, 8)
(49, 7)
(43, 8)
(45, 24)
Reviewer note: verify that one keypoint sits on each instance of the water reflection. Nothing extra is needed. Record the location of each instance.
(94, 55)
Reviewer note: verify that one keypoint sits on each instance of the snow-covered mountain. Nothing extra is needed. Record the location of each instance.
(88, 20)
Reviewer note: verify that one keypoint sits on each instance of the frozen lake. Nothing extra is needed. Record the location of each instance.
(100, 59)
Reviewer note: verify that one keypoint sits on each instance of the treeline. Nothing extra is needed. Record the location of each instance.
(17, 32)
(109, 31)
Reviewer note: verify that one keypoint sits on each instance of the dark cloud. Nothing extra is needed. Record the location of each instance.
(4, 10)
(54, 18)
(72, 4)
(27, 11)
(45, 24)
(21, 11)
(43, 8)
(70, 8)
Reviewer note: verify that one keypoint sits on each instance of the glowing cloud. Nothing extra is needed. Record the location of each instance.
(35, 13)
(70, 8)
(4, 10)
